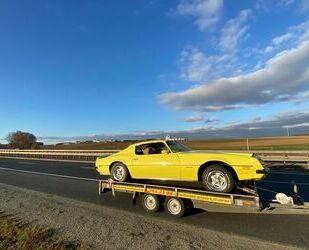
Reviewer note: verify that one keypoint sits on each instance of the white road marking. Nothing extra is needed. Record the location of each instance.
(27, 163)
(92, 168)
(40, 159)
(48, 174)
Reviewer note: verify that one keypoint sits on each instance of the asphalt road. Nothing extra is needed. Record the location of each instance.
(287, 229)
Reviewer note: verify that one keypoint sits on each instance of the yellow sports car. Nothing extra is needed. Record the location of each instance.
(170, 160)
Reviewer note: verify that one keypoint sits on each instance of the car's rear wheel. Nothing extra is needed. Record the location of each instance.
(216, 178)
(119, 172)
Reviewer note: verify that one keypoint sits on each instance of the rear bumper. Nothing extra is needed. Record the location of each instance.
(103, 169)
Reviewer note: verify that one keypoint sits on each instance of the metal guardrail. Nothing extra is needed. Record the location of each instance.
(286, 157)
(85, 155)
(73, 151)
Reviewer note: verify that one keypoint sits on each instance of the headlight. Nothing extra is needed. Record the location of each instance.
(256, 156)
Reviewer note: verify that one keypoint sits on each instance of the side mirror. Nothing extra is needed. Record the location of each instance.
(165, 152)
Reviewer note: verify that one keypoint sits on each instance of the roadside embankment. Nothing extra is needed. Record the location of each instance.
(103, 227)
(16, 233)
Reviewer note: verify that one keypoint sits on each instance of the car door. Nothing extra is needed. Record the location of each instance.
(158, 163)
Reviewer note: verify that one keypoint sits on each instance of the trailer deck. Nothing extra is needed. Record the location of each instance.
(177, 200)
(197, 198)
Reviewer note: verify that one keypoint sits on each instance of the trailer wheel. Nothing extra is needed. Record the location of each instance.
(189, 204)
(175, 206)
(151, 203)
(119, 172)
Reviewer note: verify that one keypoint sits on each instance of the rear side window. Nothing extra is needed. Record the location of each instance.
(150, 148)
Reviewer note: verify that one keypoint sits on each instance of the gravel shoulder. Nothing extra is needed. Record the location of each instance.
(103, 227)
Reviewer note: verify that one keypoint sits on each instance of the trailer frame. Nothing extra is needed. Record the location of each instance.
(182, 196)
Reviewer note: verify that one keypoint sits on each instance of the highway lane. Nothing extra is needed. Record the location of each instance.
(276, 181)
(288, 229)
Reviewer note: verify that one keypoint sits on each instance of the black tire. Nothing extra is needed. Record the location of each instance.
(175, 206)
(119, 172)
(217, 178)
(189, 204)
(151, 203)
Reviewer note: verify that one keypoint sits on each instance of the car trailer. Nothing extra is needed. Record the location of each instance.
(178, 200)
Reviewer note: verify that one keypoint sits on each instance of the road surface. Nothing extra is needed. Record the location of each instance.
(285, 229)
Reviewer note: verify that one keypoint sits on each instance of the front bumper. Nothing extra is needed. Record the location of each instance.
(263, 171)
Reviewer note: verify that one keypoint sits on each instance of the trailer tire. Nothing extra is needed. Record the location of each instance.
(151, 203)
(217, 178)
(175, 206)
(119, 172)
(189, 204)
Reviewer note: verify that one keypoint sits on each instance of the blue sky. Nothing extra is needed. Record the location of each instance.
(81, 69)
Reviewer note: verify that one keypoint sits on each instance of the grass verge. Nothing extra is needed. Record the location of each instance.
(16, 234)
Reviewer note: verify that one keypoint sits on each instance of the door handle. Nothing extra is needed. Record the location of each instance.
(135, 159)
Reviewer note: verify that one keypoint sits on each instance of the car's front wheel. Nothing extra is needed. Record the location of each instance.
(119, 172)
(216, 178)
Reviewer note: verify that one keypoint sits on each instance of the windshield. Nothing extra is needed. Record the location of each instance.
(177, 147)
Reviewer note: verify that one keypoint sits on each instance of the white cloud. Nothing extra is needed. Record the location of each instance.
(275, 125)
(200, 118)
(211, 120)
(304, 5)
(3, 141)
(281, 39)
(268, 6)
(279, 120)
(205, 12)
(196, 66)
(284, 78)
(271, 126)
(194, 119)
(144, 133)
(234, 30)
(269, 49)
(286, 2)
(302, 97)
(294, 36)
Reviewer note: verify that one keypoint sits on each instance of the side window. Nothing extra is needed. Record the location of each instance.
(138, 150)
(150, 148)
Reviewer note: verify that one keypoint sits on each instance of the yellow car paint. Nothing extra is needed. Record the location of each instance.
(182, 166)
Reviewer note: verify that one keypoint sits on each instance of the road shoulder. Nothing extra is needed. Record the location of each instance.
(104, 227)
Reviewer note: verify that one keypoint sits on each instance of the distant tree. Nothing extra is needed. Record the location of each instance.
(21, 140)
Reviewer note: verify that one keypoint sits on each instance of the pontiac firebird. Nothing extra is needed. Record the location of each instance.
(170, 160)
